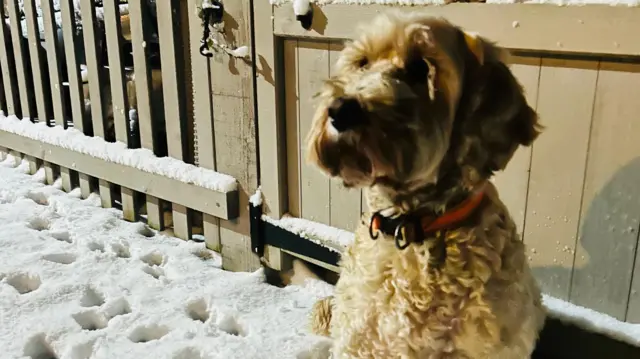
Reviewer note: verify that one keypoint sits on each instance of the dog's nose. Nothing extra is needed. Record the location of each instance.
(345, 113)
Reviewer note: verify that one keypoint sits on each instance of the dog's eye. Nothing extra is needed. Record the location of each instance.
(363, 62)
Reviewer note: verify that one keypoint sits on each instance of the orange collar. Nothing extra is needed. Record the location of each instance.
(408, 228)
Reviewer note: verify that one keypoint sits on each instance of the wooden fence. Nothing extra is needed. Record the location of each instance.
(575, 194)
(132, 73)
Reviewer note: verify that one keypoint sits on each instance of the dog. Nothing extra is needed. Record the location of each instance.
(421, 114)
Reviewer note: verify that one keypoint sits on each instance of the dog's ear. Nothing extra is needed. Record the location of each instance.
(493, 106)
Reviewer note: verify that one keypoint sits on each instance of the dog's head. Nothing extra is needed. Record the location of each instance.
(412, 95)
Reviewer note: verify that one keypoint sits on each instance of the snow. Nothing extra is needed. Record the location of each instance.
(301, 7)
(207, 4)
(241, 52)
(593, 321)
(117, 152)
(443, 2)
(332, 238)
(256, 198)
(78, 282)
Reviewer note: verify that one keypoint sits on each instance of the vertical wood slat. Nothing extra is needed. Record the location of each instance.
(513, 181)
(104, 189)
(129, 205)
(54, 58)
(182, 221)
(174, 101)
(42, 93)
(71, 43)
(155, 213)
(142, 82)
(211, 230)
(273, 156)
(172, 79)
(203, 113)
(142, 73)
(345, 203)
(49, 173)
(21, 55)
(86, 187)
(293, 140)
(557, 170)
(235, 134)
(9, 78)
(113, 30)
(34, 164)
(184, 50)
(608, 230)
(65, 176)
(313, 69)
(94, 67)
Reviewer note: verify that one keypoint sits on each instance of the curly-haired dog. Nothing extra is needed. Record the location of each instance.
(421, 114)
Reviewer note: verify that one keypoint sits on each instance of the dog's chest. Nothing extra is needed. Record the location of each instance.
(411, 308)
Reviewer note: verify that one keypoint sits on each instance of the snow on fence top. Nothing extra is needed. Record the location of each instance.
(118, 152)
(442, 2)
(592, 321)
(329, 237)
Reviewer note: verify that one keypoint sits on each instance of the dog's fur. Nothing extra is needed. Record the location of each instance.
(431, 113)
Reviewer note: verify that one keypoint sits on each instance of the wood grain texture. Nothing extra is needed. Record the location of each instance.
(155, 213)
(182, 222)
(129, 208)
(41, 87)
(513, 181)
(232, 84)
(565, 102)
(9, 78)
(71, 43)
(173, 66)
(597, 29)
(313, 69)
(104, 188)
(55, 58)
(65, 176)
(203, 116)
(94, 66)
(293, 140)
(34, 164)
(86, 185)
(120, 102)
(50, 173)
(272, 119)
(21, 59)
(142, 74)
(610, 216)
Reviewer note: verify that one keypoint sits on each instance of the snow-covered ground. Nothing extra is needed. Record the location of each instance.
(78, 282)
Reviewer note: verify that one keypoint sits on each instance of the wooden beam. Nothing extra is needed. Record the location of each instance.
(598, 29)
(220, 204)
